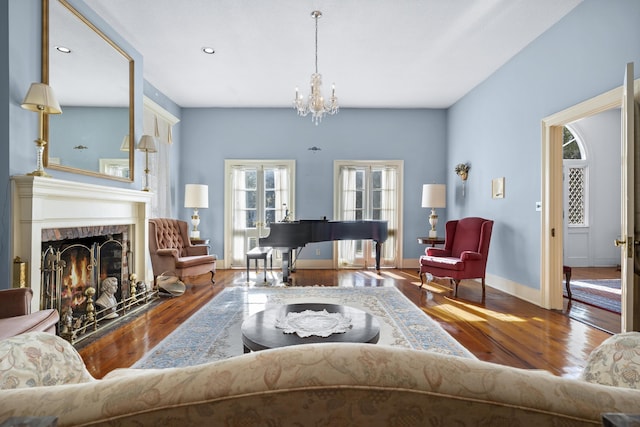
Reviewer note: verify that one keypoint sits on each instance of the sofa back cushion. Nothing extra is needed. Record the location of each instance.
(37, 359)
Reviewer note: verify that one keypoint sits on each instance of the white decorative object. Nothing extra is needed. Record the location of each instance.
(318, 323)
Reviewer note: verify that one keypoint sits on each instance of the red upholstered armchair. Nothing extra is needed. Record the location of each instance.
(172, 252)
(465, 251)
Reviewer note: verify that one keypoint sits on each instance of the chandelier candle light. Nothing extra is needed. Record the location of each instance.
(315, 104)
(434, 196)
(40, 98)
(196, 196)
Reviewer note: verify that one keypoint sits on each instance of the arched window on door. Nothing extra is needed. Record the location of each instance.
(575, 163)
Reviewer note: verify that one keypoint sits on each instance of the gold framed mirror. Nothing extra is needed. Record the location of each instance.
(92, 78)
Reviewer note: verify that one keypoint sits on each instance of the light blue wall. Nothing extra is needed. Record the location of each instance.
(209, 136)
(5, 91)
(497, 126)
(99, 129)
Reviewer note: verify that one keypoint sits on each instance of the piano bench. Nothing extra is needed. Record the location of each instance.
(260, 253)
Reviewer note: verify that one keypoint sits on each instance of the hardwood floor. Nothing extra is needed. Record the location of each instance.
(501, 328)
(601, 319)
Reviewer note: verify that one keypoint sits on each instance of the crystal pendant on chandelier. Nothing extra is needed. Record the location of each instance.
(315, 104)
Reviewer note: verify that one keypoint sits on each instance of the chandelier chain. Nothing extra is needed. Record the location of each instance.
(316, 17)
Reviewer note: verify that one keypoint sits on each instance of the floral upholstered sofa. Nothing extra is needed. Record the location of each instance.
(311, 385)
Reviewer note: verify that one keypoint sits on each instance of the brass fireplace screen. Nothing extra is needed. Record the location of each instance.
(89, 282)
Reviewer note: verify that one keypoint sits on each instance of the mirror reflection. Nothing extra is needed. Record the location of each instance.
(91, 77)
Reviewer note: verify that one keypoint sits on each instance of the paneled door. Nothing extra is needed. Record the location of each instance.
(629, 207)
(257, 193)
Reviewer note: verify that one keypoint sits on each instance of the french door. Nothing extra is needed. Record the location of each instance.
(257, 193)
(368, 190)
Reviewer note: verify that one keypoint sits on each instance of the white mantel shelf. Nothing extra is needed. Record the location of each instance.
(40, 203)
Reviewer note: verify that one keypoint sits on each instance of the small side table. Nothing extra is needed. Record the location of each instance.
(200, 242)
(431, 241)
(195, 241)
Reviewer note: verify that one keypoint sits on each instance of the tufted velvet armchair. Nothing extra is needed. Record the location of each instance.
(465, 252)
(172, 252)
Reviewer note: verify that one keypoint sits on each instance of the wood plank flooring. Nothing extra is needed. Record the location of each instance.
(501, 328)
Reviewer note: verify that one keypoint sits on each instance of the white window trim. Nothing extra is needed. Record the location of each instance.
(229, 164)
(399, 165)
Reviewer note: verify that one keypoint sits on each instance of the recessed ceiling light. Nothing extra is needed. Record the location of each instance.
(63, 49)
(208, 50)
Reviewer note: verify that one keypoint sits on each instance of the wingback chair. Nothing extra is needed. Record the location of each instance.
(172, 252)
(464, 255)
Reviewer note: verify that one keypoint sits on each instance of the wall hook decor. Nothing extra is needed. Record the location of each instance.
(462, 170)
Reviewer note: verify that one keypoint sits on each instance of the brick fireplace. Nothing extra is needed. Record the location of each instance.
(42, 206)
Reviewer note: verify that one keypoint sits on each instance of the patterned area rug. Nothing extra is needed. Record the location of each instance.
(213, 333)
(604, 293)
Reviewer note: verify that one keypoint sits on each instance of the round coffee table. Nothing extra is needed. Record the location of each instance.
(259, 331)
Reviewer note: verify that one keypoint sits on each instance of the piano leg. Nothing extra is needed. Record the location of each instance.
(378, 250)
(286, 264)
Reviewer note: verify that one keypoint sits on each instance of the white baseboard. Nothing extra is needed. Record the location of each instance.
(513, 288)
(505, 285)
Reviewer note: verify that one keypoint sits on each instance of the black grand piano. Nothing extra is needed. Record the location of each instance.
(289, 236)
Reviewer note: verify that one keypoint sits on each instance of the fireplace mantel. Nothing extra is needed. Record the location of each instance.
(40, 203)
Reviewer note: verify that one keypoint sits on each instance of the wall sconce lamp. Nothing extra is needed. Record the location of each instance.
(196, 196)
(434, 196)
(125, 143)
(148, 145)
(462, 170)
(40, 98)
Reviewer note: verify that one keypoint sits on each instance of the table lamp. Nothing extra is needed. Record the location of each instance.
(196, 196)
(40, 98)
(434, 196)
(147, 144)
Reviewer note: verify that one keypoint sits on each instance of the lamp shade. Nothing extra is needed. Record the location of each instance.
(125, 143)
(40, 98)
(196, 196)
(148, 143)
(434, 196)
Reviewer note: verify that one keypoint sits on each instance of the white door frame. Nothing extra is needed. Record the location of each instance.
(551, 222)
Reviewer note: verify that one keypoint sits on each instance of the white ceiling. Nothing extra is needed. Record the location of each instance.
(379, 53)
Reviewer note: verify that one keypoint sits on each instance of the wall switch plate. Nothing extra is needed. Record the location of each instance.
(538, 206)
(317, 251)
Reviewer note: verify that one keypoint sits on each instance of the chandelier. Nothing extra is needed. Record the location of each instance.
(315, 104)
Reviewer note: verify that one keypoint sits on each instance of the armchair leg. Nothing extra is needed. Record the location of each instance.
(483, 290)
(455, 286)
(212, 273)
(421, 278)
